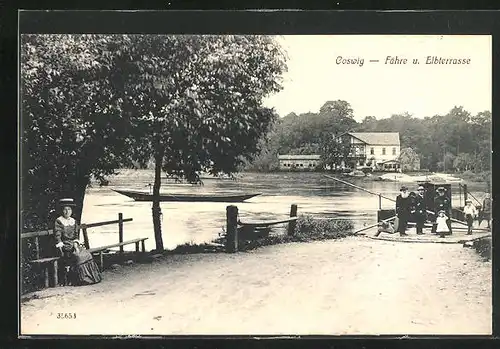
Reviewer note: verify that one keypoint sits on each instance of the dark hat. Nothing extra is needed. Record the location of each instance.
(441, 189)
(403, 188)
(441, 211)
(67, 202)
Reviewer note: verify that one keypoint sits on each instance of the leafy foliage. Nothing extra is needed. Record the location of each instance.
(202, 107)
(95, 103)
(333, 151)
(409, 159)
(72, 120)
(436, 140)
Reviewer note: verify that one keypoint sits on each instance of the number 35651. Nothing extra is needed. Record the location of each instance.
(66, 316)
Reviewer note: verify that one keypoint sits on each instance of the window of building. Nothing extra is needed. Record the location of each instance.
(393, 151)
(383, 151)
(372, 151)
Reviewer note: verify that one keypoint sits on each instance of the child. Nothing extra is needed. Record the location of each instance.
(442, 226)
(470, 213)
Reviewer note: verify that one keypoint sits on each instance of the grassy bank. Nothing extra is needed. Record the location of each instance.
(483, 248)
(307, 229)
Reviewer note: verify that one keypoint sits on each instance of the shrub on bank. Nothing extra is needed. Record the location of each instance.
(310, 229)
(470, 176)
(483, 247)
(191, 247)
(307, 229)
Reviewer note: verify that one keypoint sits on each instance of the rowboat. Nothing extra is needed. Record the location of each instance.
(143, 196)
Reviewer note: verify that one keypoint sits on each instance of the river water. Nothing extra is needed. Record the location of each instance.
(198, 222)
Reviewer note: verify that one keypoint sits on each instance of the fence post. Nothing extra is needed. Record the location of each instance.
(37, 247)
(231, 229)
(460, 193)
(120, 230)
(465, 192)
(85, 236)
(292, 224)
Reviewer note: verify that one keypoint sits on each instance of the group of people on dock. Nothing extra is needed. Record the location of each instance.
(411, 206)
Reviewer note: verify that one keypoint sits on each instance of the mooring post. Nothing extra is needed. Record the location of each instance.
(465, 193)
(37, 247)
(379, 201)
(231, 229)
(120, 230)
(292, 224)
(460, 193)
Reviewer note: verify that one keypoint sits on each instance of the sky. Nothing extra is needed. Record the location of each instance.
(379, 89)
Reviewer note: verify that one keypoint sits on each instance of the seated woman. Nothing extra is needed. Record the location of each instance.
(83, 269)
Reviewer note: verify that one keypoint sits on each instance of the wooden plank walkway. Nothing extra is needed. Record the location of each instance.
(455, 238)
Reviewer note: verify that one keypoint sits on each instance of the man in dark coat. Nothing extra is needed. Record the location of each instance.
(442, 202)
(403, 210)
(420, 210)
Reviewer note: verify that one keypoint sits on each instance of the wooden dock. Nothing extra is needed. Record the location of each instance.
(458, 237)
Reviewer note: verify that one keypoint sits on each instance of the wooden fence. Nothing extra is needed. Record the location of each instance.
(234, 226)
(83, 227)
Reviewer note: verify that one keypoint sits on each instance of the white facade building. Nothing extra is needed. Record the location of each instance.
(298, 162)
(378, 150)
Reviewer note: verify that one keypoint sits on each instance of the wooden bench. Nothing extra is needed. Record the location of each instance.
(100, 250)
(50, 265)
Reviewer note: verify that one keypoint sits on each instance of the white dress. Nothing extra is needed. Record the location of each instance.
(441, 225)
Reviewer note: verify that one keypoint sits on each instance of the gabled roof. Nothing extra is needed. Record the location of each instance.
(377, 138)
(299, 157)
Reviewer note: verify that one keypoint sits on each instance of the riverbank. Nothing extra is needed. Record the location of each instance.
(348, 286)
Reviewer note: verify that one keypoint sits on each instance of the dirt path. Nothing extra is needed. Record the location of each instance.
(350, 286)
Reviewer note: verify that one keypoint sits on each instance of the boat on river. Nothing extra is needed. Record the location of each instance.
(144, 196)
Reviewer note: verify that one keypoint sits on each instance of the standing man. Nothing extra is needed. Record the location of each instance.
(420, 210)
(403, 209)
(442, 203)
(486, 210)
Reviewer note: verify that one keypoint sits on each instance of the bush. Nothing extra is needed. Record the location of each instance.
(483, 247)
(192, 247)
(310, 229)
(307, 229)
(470, 176)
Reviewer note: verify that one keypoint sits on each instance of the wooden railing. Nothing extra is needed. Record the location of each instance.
(83, 228)
(232, 223)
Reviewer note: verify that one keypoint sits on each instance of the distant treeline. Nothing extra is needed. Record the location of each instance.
(457, 141)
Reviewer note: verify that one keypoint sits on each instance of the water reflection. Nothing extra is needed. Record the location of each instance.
(202, 221)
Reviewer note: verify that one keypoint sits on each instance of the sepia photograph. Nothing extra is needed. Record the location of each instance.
(255, 184)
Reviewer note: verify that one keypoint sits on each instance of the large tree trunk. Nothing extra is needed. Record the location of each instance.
(156, 201)
(81, 183)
